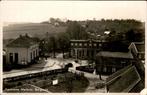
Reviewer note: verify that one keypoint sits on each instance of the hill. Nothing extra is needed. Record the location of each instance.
(33, 29)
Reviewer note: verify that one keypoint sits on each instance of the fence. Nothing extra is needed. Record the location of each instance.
(88, 75)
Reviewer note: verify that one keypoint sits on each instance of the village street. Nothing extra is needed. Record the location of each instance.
(57, 63)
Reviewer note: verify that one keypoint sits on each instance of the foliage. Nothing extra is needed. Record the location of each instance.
(122, 33)
(118, 25)
(63, 41)
(76, 31)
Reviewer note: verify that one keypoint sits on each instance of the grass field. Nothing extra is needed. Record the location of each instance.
(33, 29)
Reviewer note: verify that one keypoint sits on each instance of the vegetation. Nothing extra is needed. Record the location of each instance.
(119, 26)
(67, 82)
(122, 33)
(60, 32)
(76, 31)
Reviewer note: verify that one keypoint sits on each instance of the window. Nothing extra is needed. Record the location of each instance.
(123, 63)
(31, 55)
(76, 44)
(85, 44)
(16, 58)
(105, 69)
(113, 70)
(80, 44)
(95, 45)
(72, 44)
(90, 44)
(11, 57)
(36, 52)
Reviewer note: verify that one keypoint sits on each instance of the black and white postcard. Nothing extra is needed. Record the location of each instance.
(73, 47)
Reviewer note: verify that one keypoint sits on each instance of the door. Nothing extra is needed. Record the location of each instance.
(16, 58)
(11, 57)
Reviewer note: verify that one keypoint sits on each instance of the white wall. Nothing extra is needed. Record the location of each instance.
(22, 53)
(31, 50)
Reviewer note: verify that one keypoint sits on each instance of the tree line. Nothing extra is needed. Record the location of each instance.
(122, 33)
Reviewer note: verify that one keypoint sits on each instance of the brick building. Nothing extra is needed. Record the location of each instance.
(84, 49)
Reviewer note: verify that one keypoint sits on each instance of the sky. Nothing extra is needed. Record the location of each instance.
(38, 11)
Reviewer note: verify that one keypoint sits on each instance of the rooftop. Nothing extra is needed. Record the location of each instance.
(87, 40)
(140, 46)
(115, 54)
(22, 41)
(123, 80)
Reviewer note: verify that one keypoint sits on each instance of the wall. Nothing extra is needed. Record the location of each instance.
(22, 53)
(34, 49)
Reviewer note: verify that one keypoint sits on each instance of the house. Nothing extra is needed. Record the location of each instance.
(125, 80)
(23, 50)
(138, 50)
(108, 62)
(84, 49)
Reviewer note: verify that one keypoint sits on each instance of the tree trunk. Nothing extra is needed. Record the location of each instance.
(100, 73)
(63, 52)
(54, 53)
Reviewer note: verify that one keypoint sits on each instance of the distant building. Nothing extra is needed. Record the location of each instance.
(22, 50)
(84, 49)
(108, 62)
(138, 50)
(125, 80)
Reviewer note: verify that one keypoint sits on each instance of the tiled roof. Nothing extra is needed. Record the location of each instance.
(22, 41)
(115, 54)
(123, 80)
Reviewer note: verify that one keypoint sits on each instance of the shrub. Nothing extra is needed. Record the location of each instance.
(99, 85)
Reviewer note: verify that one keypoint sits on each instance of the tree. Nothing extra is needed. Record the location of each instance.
(76, 31)
(130, 35)
(116, 42)
(135, 35)
(63, 40)
(53, 45)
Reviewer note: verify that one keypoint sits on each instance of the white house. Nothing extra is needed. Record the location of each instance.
(22, 50)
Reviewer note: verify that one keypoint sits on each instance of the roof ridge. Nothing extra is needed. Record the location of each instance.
(23, 41)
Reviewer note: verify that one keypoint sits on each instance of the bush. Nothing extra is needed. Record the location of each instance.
(34, 80)
(99, 85)
(19, 83)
